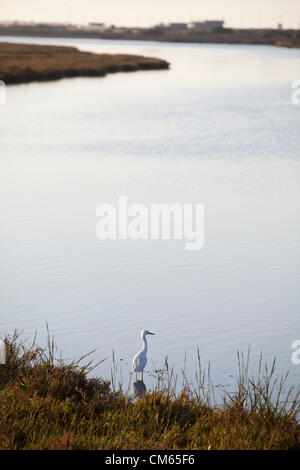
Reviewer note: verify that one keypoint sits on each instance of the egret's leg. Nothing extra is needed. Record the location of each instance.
(143, 375)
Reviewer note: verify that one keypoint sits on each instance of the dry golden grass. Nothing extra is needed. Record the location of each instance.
(21, 63)
(47, 404)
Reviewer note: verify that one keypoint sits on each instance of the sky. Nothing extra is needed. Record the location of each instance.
(236, 13)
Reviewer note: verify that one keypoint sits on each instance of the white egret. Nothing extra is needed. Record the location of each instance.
(140, 359)
(2, 352)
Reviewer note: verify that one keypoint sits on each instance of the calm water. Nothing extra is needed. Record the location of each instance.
(218, 128)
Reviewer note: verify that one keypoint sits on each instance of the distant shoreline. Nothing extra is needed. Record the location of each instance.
(23, 63)
(272, 37)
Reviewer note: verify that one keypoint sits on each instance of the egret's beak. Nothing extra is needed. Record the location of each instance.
(151, 333)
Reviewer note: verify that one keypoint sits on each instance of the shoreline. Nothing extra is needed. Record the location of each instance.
(48, 403)
(24, 63)
(270, 37)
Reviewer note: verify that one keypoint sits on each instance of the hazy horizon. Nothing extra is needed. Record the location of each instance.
(235, 13)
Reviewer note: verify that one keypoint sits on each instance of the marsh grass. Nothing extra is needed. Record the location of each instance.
(21, 63)
(46, 403)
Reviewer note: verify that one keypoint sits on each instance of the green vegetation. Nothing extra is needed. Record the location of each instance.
(30, 62)
(48, 404)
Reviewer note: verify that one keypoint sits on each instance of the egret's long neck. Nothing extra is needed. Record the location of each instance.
(144, 341)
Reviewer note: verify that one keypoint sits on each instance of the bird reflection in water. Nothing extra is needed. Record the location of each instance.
(139, 388)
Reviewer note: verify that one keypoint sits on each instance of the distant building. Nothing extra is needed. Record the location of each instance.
(97, 26)
(206, 25)
(177, 26)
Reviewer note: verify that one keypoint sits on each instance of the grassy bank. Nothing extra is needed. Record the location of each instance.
(48, 404)
(20, 63)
